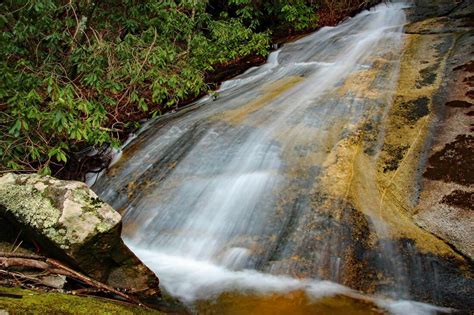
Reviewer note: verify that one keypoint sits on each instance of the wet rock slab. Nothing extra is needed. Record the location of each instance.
(445, 204)
(354, 204)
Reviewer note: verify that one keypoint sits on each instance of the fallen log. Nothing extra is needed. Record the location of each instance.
(22, 262)
(52, 266)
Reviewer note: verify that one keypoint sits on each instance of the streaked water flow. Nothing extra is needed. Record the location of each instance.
(223, 197)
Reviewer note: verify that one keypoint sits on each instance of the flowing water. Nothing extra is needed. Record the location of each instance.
(250, 191)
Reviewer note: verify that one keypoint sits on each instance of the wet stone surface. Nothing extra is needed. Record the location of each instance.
(312, 167)
(414, 110)
(428, 76)
(396, 154)
(461, 199)
(454, 163)
(459, 104)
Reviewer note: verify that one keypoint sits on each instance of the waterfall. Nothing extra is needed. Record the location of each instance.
(238, 194)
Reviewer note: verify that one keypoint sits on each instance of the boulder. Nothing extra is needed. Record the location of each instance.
(69, 222)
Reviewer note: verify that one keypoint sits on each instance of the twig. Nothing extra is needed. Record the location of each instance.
(20, 255)
(139, 71)
(76, 275)
(10, 295)
(14, 243)
(16, 275)
(85, 291)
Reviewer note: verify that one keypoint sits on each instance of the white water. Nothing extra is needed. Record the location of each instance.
(207, 225)
(192, 280)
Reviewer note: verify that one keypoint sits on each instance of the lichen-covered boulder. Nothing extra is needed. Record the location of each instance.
(71, 223)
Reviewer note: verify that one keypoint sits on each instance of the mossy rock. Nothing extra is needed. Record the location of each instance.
(21, 301)
(72, 224)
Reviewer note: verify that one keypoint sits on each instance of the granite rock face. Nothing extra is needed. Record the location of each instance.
(445, 202)
(69, 222)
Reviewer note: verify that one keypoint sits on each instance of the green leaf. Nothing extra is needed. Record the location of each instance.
(45, 171)
(142, 105)
(15, 130)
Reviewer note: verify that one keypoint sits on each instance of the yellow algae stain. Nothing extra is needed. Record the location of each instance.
(352, 176)
(420, 55)
(359, 83)
(270, 92)
(318, 143)
(363, 181)
(429, 25)
(370, 197)
(295, 303)
(421, 60)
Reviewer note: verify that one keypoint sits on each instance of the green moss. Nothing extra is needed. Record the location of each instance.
(58, 303)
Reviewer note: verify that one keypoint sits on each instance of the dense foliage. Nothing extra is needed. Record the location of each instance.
(74, 74)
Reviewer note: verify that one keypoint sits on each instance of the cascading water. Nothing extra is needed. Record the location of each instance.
(243, 193)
